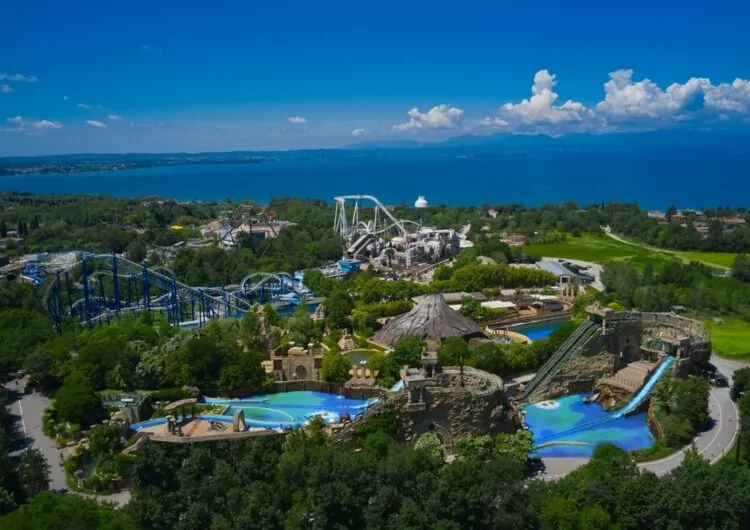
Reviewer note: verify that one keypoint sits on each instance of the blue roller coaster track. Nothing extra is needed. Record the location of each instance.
(102, 287)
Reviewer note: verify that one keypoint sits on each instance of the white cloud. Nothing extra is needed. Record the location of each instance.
(96, 124)
(438, 117)
(6, 89)
(625, 98)
(151, 49)
(65, 98)
(627, 105)
(297, 120)
(114, 117)
(540, 108)
(359, 132)
(84, 106)
(493, 123)
(19, 78)
(31, 126)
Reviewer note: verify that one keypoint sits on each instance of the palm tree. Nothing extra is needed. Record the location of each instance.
(33, 472)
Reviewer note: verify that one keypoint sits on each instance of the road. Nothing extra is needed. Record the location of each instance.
(30, 408)
(712, 444)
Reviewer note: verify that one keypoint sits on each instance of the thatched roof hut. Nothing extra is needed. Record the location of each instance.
(431, 319)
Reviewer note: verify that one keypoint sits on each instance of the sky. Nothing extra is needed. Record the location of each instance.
(159, 76)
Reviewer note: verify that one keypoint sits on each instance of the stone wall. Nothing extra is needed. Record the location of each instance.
(619, 343)
(452, 412)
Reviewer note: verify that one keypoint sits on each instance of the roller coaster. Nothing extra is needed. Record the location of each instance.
(103, 287)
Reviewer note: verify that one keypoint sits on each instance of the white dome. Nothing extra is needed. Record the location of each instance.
(421, 202)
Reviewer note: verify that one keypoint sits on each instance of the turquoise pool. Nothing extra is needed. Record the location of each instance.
(291, 409)
(538, 331)
(547, 418)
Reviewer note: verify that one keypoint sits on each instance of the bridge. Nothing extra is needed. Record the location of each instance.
(103, 287)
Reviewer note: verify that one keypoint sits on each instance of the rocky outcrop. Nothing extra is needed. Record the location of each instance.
(450, 411)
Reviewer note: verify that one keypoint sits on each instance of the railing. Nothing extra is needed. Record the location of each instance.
(563, 352)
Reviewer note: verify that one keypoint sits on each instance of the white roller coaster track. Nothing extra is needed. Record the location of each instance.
(378, 225)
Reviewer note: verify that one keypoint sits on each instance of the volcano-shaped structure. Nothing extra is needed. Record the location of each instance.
(431, 320)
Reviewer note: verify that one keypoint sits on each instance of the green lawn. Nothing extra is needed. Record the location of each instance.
(589, 247)
(600, 248)
(731, 339)
(720, 259)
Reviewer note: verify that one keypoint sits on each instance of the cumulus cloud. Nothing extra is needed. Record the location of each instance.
(97, 124)
(297, 120)
(626, 98)
(359, 132)
(541, 107)
(18, 78)
(31, 126)
(627, 104)
(6, 89)
(439, 117)
(85, 106)
(65, 98)
(114, 117)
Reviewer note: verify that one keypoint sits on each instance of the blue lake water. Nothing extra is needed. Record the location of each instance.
(547, 418)
(652, 180)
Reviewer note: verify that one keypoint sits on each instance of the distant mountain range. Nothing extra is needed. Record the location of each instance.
(722, 142)
(651, 139)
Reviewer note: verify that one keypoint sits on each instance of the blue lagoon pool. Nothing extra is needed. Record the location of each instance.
(547, 418)
(291, 409)
(538, 331)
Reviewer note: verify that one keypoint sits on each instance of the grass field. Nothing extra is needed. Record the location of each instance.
(600, 248)
(732, 338)
(720, 259)
(589, 247)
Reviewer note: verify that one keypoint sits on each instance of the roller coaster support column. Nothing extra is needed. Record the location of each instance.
(57, 311)
(116, 286)
(177, 306)
(86, 292)
(70, 297)
(146, 289)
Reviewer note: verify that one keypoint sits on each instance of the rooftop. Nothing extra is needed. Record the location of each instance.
(558, 269)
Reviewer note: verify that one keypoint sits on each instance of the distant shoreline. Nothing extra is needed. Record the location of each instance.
(62, 168)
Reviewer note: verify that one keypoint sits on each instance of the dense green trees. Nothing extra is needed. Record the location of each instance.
(740, 383)
(33, 472)
(335, 367)
(692, 285)
(50, 511)
(77, 401)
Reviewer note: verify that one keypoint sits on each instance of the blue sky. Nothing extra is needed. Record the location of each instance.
(93, 76)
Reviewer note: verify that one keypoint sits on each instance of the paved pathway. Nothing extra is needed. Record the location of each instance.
(712, 443)
(30, 408)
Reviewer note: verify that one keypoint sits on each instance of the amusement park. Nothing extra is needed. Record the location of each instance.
(99, 288)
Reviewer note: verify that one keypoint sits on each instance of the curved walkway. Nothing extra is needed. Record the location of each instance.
(30, 408)
(712, 444)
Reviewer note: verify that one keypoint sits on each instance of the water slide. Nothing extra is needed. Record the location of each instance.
(575, 342)
(632, 405)
(645, 389)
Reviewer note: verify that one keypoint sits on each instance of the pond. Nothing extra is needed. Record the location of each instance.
(358, 356)
(548, 419)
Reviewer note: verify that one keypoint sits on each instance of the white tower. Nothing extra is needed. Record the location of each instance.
(421, 204)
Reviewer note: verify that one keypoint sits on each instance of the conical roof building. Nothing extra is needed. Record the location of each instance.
(431, 320)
